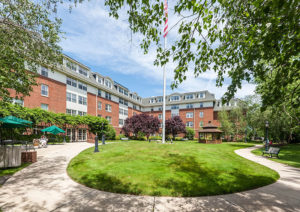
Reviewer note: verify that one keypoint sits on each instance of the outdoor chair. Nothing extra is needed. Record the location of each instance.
(272, 151)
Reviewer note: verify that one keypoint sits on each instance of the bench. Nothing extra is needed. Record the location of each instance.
(124, 139)
(272, 151)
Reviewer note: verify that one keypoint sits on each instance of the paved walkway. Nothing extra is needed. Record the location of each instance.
(45, 186)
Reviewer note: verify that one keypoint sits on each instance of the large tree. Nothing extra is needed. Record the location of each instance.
(174, 126)
(244, 40)
(143, 123)
(29, 36)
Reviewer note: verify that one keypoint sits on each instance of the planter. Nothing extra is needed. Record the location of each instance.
(10, 156)
(29, 157)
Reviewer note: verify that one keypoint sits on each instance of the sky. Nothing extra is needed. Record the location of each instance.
(106, 45)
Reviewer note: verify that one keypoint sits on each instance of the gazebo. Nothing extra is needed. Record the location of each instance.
(210, 134)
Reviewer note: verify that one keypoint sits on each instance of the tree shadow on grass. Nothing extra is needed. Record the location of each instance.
(105, 182)
(200, 180)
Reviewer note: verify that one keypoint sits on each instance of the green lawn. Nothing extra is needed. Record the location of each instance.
(180, 169)
(289, 154)
(11, 171)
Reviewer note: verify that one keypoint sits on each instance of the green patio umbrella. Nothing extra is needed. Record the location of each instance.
(14, 122)
(53, 129)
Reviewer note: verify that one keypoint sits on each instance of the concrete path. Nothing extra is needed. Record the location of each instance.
(45, 186)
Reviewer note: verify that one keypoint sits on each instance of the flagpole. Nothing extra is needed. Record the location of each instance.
(164, 99)
(164, 74)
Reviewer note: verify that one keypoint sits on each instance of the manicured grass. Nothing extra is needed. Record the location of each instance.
(180, 169)
(289, 154)
(11, 171)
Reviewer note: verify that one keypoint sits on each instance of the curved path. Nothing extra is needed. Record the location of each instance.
(45, 186)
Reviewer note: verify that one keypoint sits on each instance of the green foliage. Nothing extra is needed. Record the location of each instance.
(155, 138)
(141, 136)
(29, 37)
(37, 116)
(226, 125)
(110, 134)
(118, 137)
(242, 39)
(189, 133)
(178, 138)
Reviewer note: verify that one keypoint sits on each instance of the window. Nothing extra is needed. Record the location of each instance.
(81, 113)
(107, 95)
(189, 115)
(44, 106)
(82, 134)
(44, 72)
(174, 107)
(108, 107)
(189, 106)
(160, 99)
(174, 114)
(99, 92)
(99, 115)
(201, 95)
(174, 98)
(82, 100)
(72, 82)
(108, 118)
(134, 113)
(189, 96)
(108, 84)
(189, 124)
(121, 121)
(123, 101)
(160, 108)
(201, 124)
(152, 101)
(99, 105)
(83, 71)
(159, 116)
(71, 112)
(71, 97)
(201, 104)
(44, 90)
(18, 102)
(71, 65)
(201, 114)
(82, 86)
(134, 107)
(126, 112)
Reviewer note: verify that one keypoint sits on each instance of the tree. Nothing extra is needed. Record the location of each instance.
(174, 126)
(237, 118)
(226, 125)
(141, 123)
(189, 133)
(245, 40)
(29, 37)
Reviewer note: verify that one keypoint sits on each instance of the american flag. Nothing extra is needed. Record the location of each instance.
(166, 15)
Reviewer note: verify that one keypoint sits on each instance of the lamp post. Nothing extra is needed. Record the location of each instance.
(266, 139)
(96, 144)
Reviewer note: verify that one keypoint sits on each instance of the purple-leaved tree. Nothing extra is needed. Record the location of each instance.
(141, 123)
(174, 126)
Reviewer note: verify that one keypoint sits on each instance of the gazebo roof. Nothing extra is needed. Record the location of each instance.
(210, 128)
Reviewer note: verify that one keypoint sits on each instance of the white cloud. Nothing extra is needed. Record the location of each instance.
(95, 37)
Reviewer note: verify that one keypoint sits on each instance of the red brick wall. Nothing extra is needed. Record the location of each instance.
(114, 114)
(56, 99)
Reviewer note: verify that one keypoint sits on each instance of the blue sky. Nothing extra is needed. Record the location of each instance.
(104, 44)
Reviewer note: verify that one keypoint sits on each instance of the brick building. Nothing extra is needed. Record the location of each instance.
(74, 89)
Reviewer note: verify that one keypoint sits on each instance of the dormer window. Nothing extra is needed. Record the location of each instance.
(108, 84)
(83, 72)
(160, 99)
(174, 98)
(201, 95)
(100, 80)
(189, 96)
(152, 101)
(71, 66)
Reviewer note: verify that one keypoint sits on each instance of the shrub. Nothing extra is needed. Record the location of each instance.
(141, 136)
(178, 138)
(111, 133)
(189, 133)
(155, 138)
